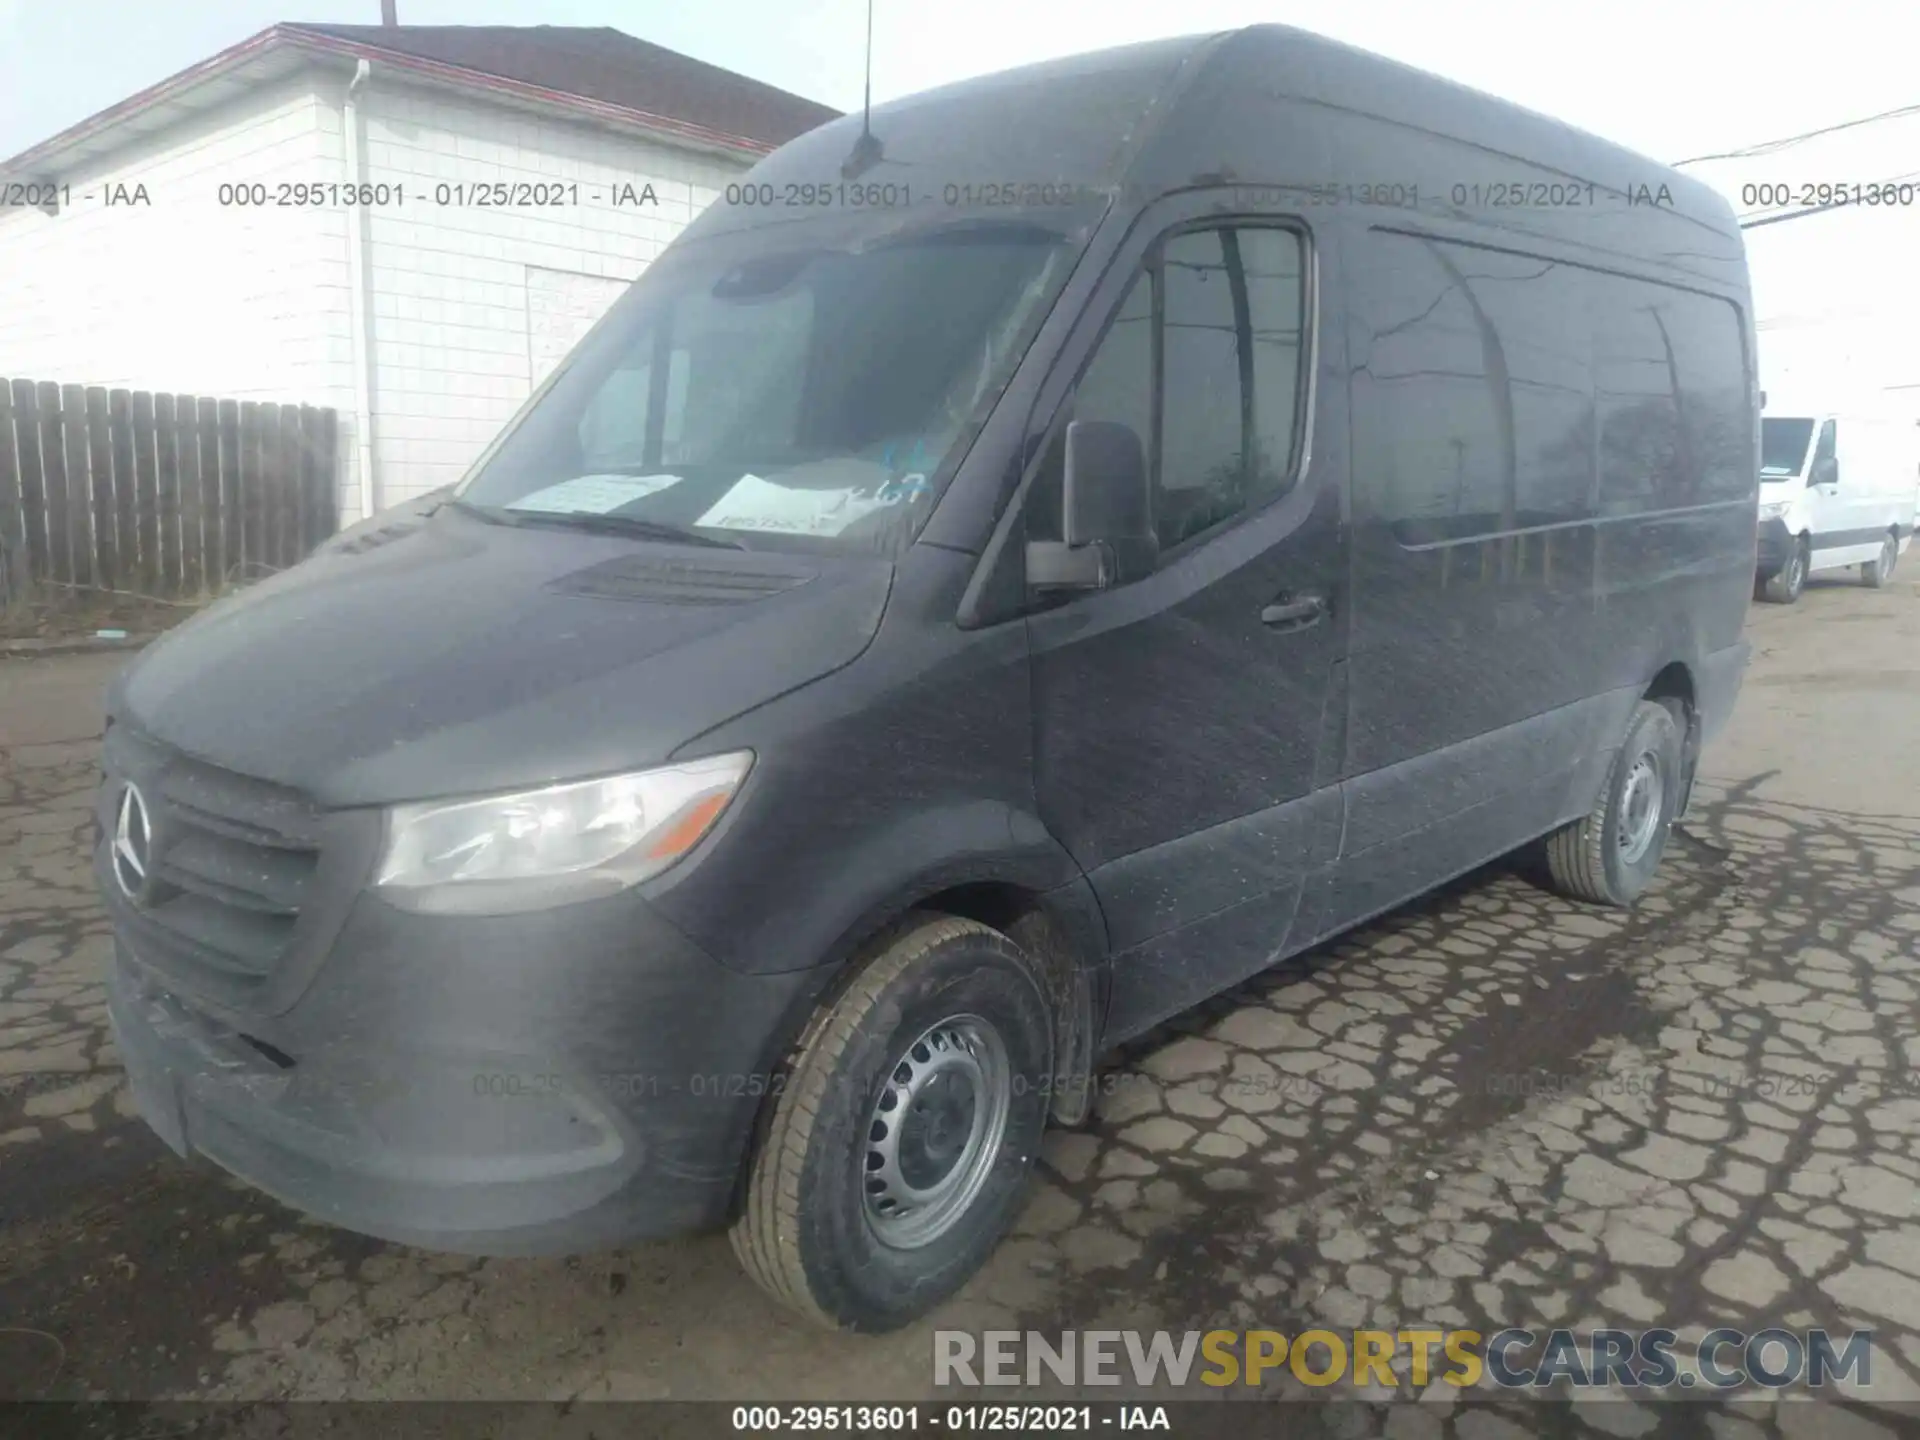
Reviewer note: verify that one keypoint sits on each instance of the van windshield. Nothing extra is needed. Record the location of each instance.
(806, 399)
(1783, 444)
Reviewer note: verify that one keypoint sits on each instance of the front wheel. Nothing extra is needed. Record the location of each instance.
(1785, 588)
(1609, 855)
(899, 1149)
(1876, 574)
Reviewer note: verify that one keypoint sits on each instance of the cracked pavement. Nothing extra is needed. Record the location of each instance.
(1490, 1108)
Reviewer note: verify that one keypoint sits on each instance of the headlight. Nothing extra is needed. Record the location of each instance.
(1775, 510)
(547, 847)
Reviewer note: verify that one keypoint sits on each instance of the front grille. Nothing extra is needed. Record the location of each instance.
(230, 864)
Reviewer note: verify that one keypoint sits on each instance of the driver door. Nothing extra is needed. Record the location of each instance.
(1827, 520)
(1188, 723)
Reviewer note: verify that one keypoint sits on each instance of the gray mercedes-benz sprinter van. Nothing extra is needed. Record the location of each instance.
(995, 581)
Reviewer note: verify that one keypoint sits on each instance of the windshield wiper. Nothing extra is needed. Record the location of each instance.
(593, 520)
(492, 514)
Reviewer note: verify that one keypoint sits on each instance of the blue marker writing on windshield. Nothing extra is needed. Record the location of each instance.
(910, 487)
(917, 461)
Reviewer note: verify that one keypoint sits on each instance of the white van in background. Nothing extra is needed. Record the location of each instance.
(1837, 488)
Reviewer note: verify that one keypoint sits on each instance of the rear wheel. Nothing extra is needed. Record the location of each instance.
(1876, 573)
(1785, 587)
(899, 1148)
(1609, 856)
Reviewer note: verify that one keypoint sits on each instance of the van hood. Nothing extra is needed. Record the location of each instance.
(416, 657)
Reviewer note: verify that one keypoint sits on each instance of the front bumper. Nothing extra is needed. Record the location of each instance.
(1775, 545)
(516, 1085)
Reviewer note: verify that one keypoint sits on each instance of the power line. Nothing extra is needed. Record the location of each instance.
(1769, 147)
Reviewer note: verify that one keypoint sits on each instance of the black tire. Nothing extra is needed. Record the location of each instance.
(808, 1233)
(1877, 574)
(1785, 587)
(1595, 858)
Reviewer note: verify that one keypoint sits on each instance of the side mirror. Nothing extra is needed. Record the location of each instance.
(1106, 513)
(1825, 472)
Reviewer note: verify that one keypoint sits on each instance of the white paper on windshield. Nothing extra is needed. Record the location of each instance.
(595, 494)
(756, 504)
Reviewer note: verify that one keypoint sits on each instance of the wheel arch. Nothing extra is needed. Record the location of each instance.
(1675, 681)
(1060, 926)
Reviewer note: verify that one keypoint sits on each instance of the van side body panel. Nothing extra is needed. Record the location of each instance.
(1879, 471)
(1553, 469)
(1179, 742)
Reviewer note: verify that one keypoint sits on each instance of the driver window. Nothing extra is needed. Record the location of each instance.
(1823, 458)
(1223, 437)
(1117, 385)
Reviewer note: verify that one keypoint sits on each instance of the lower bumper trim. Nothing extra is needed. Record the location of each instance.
(523, 1175)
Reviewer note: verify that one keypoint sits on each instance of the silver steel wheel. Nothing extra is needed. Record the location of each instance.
(1889, 557)
(935, 1131)
(1796, 571)
(1640, 805)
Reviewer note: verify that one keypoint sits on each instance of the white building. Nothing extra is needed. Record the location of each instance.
(409, 224)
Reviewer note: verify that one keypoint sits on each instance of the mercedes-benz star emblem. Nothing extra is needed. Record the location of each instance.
(132, 842)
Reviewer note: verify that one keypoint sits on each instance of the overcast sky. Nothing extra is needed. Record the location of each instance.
(1671, 78)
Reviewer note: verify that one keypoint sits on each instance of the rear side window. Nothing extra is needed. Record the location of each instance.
(1505, 392)
(1474, 403)
(1515, 326)
(1635, 403)
(1221, 429)
(1675, 429)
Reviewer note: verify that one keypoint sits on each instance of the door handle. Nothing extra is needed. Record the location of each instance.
(1295, 612)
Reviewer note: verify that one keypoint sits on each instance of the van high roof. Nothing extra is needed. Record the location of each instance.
(1140, 120)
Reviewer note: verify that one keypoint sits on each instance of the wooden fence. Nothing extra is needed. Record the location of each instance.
(172, 496)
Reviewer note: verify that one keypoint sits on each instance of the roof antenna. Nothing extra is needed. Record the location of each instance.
(866, 150)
